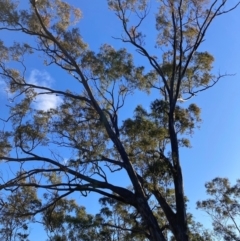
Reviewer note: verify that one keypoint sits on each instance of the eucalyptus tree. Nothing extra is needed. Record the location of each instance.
(85, 125)
(14, 224)
(223, 207)
(65, 220)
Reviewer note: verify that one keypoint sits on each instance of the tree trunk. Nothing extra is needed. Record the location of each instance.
(181, 228)
(154, 229)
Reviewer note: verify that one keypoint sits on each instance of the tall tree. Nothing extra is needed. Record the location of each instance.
(146, 146)
(14, 224)
(223, 207)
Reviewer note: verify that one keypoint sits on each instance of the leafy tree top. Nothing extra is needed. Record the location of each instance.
(145, 147)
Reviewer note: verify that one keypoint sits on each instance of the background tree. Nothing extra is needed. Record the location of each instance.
(223, 207)
(14, 224)
(66, 220)
(145, 147)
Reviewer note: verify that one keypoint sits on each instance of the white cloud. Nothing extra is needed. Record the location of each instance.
(65, 161)
(43, 101)
(4, 91)
(3, 87)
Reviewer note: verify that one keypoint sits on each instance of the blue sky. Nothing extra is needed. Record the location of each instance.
(215, 146)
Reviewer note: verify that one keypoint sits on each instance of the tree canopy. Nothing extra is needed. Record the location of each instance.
(223, 207)
(88, 126)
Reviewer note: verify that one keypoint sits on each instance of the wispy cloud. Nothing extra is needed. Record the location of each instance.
(5, 92)
(3, 87)
(65, 161)
(43, 101)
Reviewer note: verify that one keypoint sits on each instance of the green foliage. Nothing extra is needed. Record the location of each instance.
(79, 144)
(5, 146)
(15, 213)
(223, 207)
